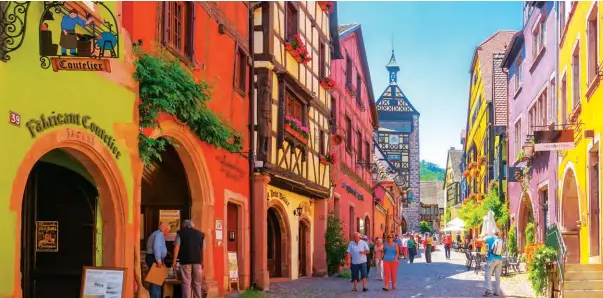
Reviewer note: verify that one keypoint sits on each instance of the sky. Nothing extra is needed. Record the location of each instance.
(434, 44)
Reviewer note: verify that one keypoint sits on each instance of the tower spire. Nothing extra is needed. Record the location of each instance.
(392, 67)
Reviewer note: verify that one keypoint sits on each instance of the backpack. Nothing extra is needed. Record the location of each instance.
(498, 247)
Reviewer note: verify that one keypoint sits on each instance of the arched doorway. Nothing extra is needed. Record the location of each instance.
(60, 232)
(304, 248)
(570, 217)
(526, 215)
(165, 198)
(278, 257)
(403, 225)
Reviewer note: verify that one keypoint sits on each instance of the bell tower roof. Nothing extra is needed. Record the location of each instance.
(393, 69)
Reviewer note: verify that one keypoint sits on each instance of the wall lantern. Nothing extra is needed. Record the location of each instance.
(298, 211)
(375, 173)
(528, 149)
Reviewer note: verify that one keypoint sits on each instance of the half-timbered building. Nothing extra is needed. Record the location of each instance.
(292, 53)
(354, 119)
(398, 137)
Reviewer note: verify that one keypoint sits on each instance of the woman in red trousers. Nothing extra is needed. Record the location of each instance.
(391, 252)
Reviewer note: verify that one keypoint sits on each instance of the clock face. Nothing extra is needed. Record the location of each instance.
(394, 140)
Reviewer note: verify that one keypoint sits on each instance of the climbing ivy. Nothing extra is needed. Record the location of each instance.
(165, 87)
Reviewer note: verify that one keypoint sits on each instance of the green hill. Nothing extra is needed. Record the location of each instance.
(431, 172)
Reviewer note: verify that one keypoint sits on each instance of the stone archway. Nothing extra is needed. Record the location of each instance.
(279, 241)
(189, 149)
(101, 165)
(570, 217)
(526, 215)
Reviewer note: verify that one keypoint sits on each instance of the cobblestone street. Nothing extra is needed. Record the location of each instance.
(442, 278)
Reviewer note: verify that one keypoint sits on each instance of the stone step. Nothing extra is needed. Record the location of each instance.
(583, 275)
(583, 267)
(582, 294)
(583, 285)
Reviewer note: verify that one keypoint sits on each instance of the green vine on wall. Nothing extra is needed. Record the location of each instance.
(166, 87)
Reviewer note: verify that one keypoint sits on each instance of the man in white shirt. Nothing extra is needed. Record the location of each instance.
(404, 246)
(357, 253)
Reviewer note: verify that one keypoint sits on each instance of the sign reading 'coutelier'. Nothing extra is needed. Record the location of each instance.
(80, 64)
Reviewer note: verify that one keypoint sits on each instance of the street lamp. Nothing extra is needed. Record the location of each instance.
(298, 211)
(528, 149)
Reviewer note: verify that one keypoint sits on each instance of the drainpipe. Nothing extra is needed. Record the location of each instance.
(251, 94)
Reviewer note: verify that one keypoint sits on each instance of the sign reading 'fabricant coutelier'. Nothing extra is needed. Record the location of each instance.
(39, 125)
(79, 64)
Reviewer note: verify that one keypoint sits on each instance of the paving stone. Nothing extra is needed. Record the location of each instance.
(442, 278)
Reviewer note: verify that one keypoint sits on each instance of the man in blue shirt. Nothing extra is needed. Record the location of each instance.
(493, 263)
(156, 253)
(68, 37)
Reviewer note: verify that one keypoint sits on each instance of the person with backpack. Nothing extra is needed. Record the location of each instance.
(496, 249)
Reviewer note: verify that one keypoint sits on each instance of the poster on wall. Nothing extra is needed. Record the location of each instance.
(171, 218)
(233, 266)
(47, 236)
(103, 282)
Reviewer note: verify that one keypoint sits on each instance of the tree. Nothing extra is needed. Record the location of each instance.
(530, 233)
(447, 216)
(512, 243)
(425, 227)
(335, 242)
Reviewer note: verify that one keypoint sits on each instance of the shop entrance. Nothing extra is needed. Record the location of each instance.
(303, 248)
(570, 218)
(165, 198)
(274, 244)
(58, 237)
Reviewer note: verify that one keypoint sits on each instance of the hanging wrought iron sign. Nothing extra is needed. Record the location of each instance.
(78, 36)
(13, 21)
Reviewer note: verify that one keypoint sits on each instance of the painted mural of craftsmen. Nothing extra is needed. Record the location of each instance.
(68, 36)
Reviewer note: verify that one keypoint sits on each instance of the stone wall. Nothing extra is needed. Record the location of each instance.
(412, 214)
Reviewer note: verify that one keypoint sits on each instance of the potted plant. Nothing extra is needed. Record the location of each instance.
(327, 83)
(481, 160)
(326, 6)
(295, 128)
(466, 174)
(298, 49)
(328, 159)
(471, 165)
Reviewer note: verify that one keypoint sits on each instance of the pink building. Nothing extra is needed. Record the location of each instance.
(354, 119)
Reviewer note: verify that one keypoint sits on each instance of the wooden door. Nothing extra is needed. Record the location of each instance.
(54, 267)
(274, 245)
(232, 228)
(303, 239)
(594, 204)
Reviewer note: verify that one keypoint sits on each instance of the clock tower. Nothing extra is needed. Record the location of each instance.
(398, 138)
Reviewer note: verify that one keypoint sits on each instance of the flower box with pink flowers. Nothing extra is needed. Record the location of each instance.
(295, 128)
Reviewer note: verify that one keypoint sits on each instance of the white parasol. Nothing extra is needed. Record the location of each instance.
(453, 229)
(456, 222)
(488, 225)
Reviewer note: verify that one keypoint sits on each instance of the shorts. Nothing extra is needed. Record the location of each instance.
(358, 269)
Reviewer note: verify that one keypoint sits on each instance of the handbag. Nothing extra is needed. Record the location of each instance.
(432, 248)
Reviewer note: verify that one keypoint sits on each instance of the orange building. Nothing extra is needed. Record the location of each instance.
(194, 179)
(388, 197)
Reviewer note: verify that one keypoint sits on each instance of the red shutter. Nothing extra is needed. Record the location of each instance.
(166, 22)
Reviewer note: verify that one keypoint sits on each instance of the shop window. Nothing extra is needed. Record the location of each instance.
(291, 19)
(240, 74)
(178, 27)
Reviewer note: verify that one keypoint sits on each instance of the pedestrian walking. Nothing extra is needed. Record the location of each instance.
(370, 256)
(155, 254)
(412, 249)
(379, 257)
(496, 248)
(428, 245)
(391, 253)
(404, 251)
(356, 258)
(447, 245)
(189, 246)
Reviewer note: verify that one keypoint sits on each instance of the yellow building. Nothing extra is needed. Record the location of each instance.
(291, 59)
(69, 151)
(580, 102)
(486, 112)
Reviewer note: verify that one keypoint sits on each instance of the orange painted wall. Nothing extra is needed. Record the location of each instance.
(214, 63)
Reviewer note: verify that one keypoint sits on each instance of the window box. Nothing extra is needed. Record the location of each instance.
(328, 159)
(481, 160)
(326, 6)
(350, 89)
(327, 83)
(296, 47)
(296, 129)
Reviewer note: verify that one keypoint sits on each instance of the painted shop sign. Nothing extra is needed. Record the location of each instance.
(39, 125)
(81, 64)
(273, 194)
(86, 32)
(553, 140)
(47, 236)
(353, 192)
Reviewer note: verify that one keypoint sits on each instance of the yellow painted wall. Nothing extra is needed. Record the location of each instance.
(295, 200)
(477, 130)
(577, 159)
(31, 91)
